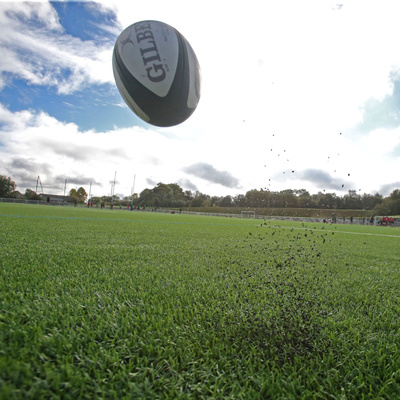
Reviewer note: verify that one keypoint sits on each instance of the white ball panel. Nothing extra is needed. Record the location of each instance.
(150, 51)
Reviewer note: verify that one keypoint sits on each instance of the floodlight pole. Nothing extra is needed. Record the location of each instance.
(37, 184)
(133, 188)
(113, 190)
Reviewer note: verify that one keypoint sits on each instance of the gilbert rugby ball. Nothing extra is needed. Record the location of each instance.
(157, 73)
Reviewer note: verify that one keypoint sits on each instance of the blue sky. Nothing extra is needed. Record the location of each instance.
(294, 95)
(88, 106)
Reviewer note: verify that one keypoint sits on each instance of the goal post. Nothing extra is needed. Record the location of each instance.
(248, 214)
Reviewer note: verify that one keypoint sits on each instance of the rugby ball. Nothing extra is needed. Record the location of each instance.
(157, 73)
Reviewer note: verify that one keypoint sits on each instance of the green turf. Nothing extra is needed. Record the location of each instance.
(132, 305)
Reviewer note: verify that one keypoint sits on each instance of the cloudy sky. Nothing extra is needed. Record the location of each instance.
(295, 95)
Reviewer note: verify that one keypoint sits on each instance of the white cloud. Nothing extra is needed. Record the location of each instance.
(287, 76)
(209, 173)
(41, 145)
(35, 48)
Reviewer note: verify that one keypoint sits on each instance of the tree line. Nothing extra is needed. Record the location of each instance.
(8, 190)
(172, 195)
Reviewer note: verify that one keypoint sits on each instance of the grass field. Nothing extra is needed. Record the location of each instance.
(129, 305)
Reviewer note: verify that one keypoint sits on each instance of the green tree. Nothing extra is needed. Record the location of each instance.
(7, 186)
(199, 199)
(352, 200)
(188, 195)
(32, 195)
(390, 205)
(370, 201)
(288, 198)
(164, 194)
(304, 199)
(226, 201)
(82, 195)
(278, 199)
(73, 197)
(178, 196)
(395, 195)
(146, 196)
(327, 200)
(301, 192)
(79, 195)
(254, 198)
(197, 202)
(239, 200)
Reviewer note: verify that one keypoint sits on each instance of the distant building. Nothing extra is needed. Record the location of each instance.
(56, 198)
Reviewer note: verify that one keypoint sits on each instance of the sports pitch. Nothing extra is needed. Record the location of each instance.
(140, 305)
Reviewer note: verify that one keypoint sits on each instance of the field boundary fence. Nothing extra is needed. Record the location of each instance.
(376, 221)
(38, 202)
(347, 220)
